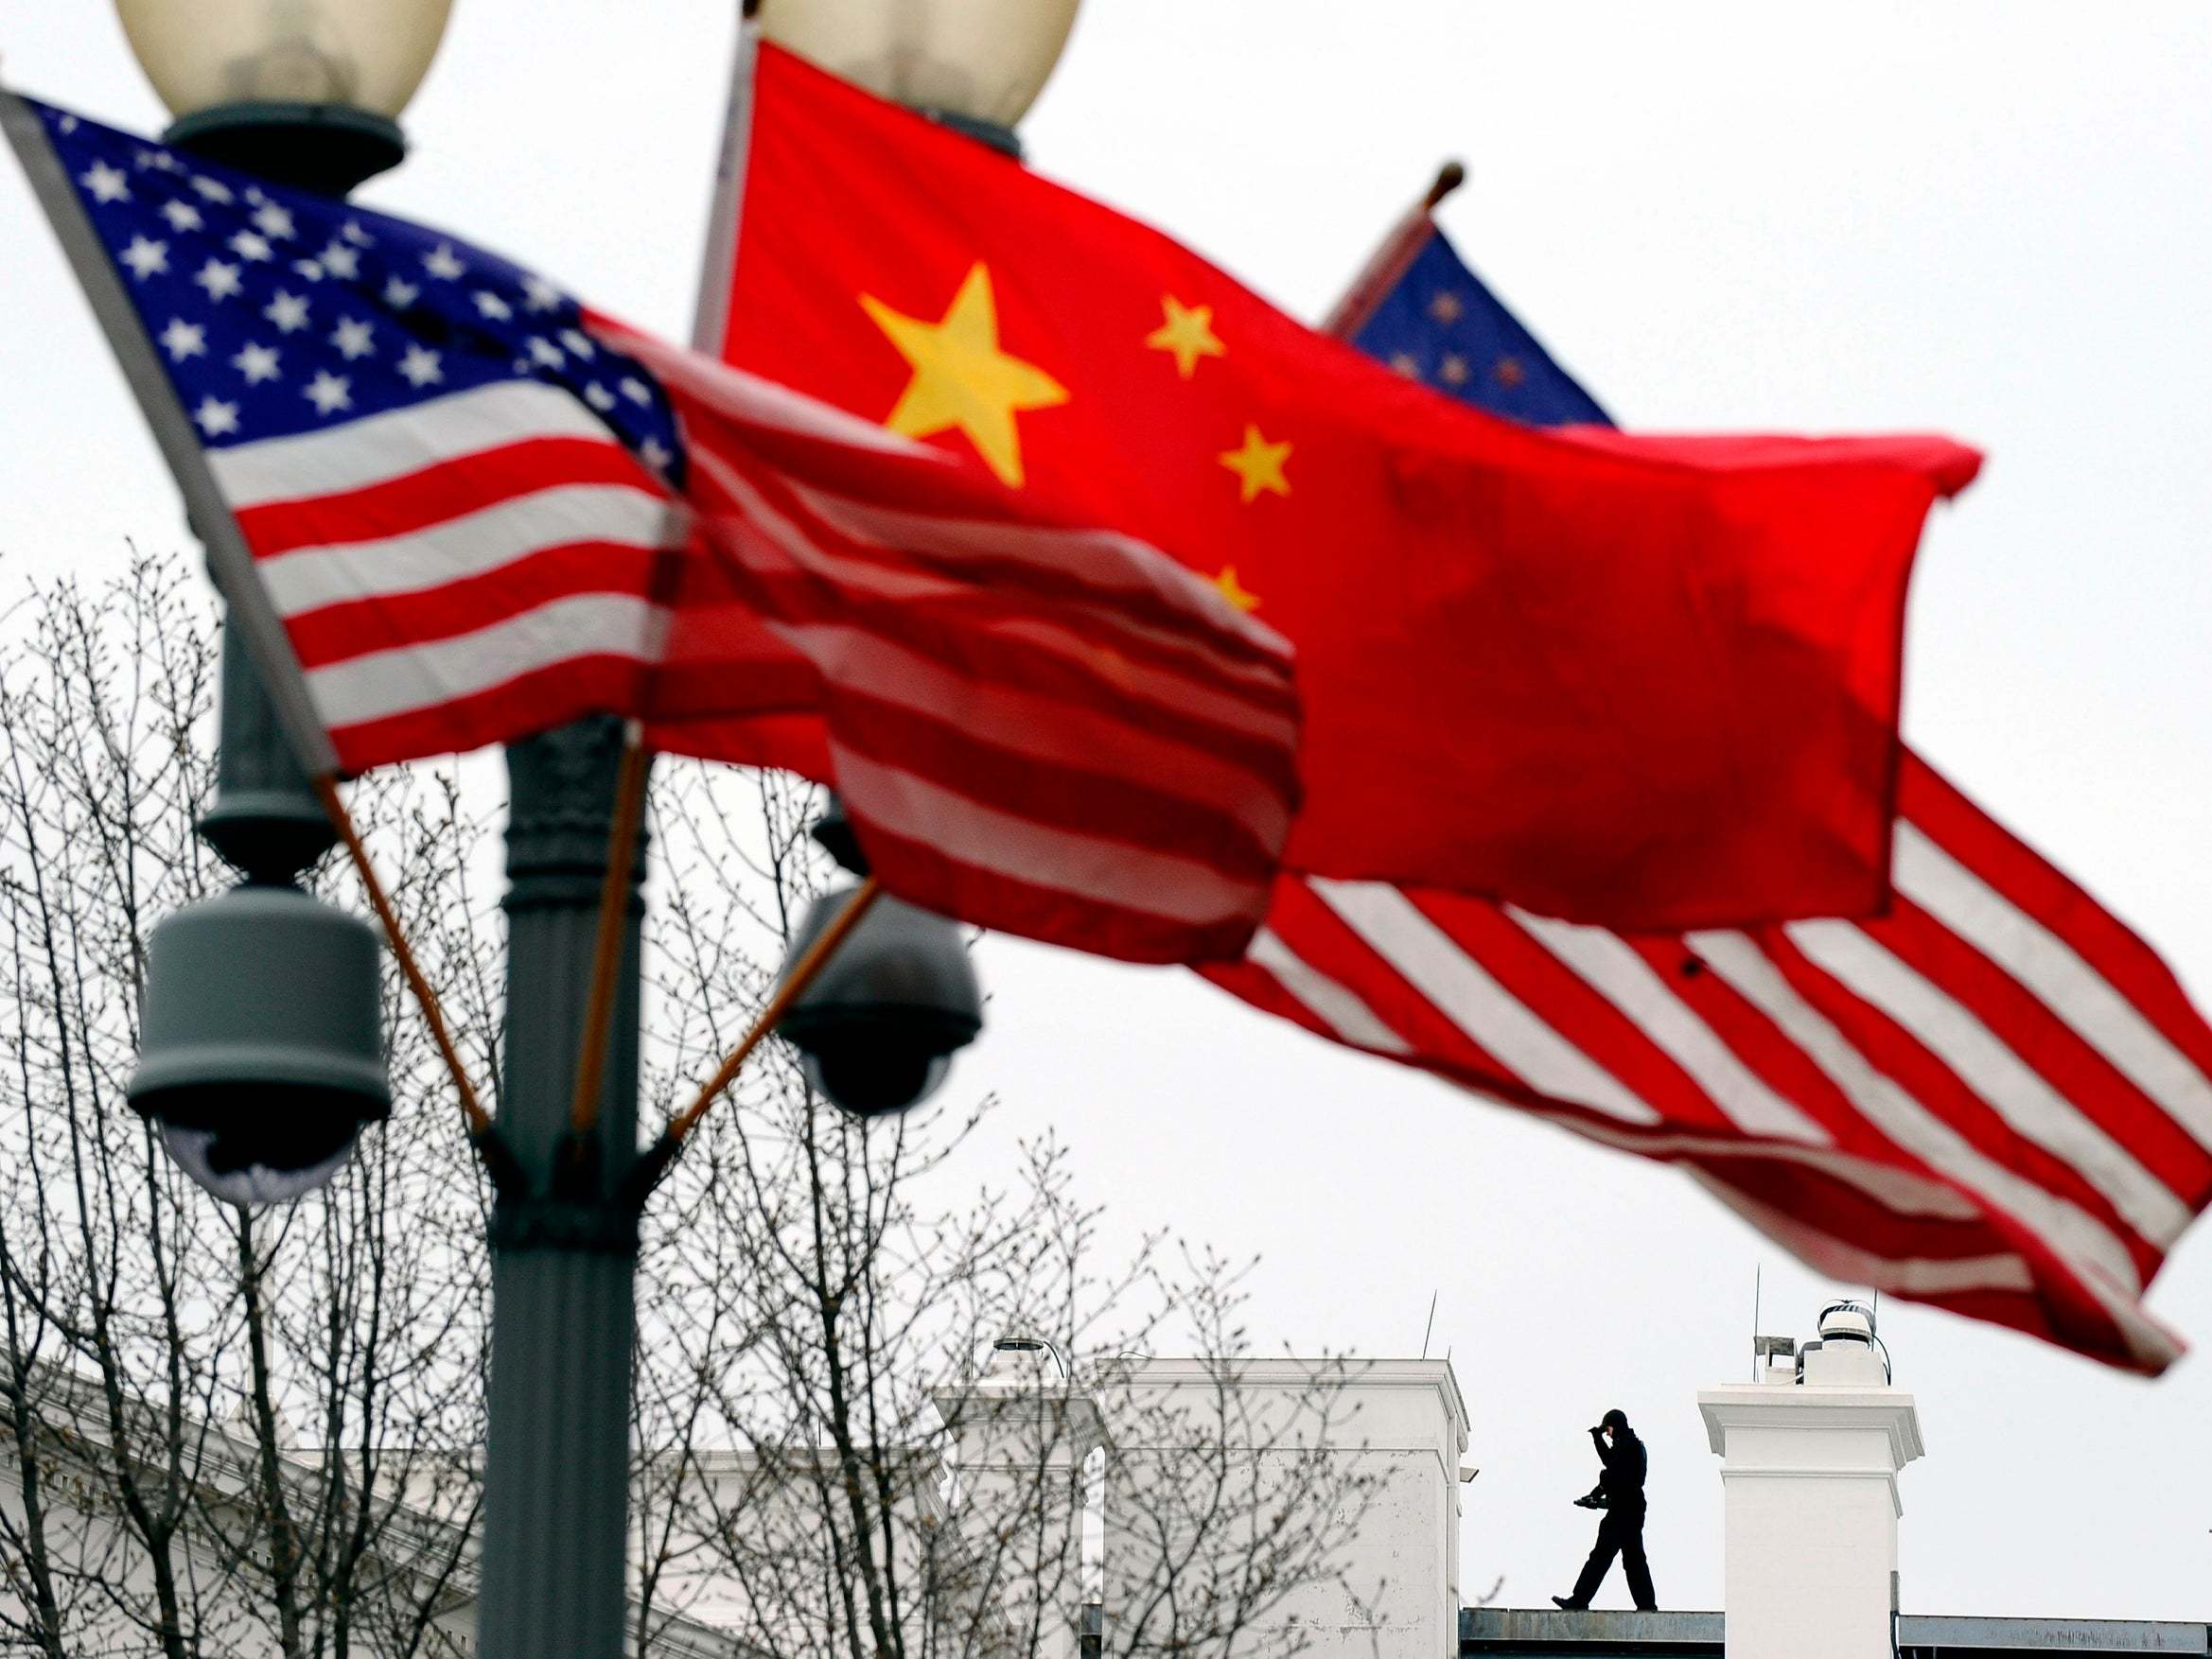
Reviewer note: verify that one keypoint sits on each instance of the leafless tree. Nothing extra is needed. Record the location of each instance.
(229, 1432)
(862, 1476)
(216, 1421)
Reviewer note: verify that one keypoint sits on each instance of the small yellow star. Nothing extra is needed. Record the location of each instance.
(1509, 373)
(1446, 307)
(1407, 364)
(962, 382)
(1455, 371)
(1259, 466)
(1235, 591)
(1188, 332)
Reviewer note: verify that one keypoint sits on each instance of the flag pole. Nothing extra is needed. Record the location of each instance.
(426, 997)
(718, 261)
(1388, 264)
(229, 560)
(709, 321)
(796, 984)
(606, 945)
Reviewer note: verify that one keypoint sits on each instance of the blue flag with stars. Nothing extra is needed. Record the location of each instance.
(1439, 325)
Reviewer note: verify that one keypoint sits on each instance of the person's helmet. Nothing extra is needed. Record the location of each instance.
(1616, 1419)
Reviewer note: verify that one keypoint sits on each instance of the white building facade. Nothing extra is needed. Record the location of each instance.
(1063, 1521)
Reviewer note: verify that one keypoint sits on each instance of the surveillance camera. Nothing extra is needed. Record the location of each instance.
(262, 1051)
(874, 1074)
(877, 1030)
(263, 1146)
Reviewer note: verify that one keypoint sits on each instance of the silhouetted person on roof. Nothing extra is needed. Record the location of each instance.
(1620, 1494)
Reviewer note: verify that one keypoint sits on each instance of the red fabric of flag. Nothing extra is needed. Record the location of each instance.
(1035, 727)
(1995, 1099)
(1639, 682)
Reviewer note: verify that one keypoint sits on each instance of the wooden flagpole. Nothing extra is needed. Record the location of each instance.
(803, 974)
(645, 1174)
(1381, 271)
(607, 948)
(425, 998)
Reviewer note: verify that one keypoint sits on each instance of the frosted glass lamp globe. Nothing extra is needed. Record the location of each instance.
(367, 54)
(982, 61)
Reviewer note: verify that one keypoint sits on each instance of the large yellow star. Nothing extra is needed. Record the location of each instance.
(962, 382)
(1259, 466)
(1188, 332)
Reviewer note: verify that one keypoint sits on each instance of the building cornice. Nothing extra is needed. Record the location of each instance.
(1426, 1377)
(1798, 1406)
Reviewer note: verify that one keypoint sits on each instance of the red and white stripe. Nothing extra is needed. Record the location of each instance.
(1041, 727)
(459, 572)
(1996, 1099)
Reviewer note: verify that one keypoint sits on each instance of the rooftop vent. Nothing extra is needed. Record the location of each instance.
(1021, 1360)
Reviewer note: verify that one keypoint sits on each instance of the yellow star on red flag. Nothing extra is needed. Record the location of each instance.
(1188, 333)
(1259, 466)
(1235, 591)
(963, 381)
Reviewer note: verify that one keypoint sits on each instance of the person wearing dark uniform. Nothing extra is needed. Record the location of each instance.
(1620, 1494)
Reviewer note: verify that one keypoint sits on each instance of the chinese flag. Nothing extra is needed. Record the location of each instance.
(1646, 683)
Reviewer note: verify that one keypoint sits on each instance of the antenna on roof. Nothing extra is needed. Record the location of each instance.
(1430, 1327)
(1758, 1269)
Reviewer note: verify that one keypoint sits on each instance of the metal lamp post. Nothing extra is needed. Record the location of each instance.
(307, 93)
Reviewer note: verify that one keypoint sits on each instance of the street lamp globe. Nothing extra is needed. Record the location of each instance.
(980, 61)
(305, 90)
(366, 54)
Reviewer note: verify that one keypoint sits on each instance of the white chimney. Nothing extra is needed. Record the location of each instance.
(1810, 1455)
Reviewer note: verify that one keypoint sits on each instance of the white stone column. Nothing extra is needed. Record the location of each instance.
(1020, 1435)
(1196, 1437)
(1809, 1472)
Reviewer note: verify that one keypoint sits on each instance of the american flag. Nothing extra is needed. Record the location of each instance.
(1997, 1098)
(449, 485)
(479, 510)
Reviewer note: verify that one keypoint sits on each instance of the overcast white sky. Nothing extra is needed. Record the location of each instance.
(1991, 217)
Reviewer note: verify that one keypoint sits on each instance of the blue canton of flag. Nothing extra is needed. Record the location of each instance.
(439, 494)
(1438, 324)
(279, 312)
